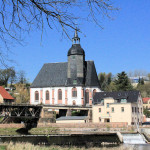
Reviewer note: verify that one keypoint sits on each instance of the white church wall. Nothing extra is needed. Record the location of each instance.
(70, 99)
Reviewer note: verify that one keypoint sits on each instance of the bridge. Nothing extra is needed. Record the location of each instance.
(30, 114)
(20, 110)
(27, 113)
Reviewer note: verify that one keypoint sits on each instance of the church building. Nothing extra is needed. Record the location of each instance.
(66, 83)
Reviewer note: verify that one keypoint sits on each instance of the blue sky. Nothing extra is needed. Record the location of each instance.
(123, 44)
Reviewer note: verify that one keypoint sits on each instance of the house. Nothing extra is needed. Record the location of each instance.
(123, 106)
(66, 83)
(135, 80)
(73, 119)
(146, 102)
(5, 97)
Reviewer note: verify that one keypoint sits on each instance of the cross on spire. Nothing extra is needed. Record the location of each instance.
(76, 39)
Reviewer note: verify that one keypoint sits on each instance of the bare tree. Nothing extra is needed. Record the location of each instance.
(20, 16)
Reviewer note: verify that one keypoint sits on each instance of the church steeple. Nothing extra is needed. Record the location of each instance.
(76, 39)
(76, 62)
(76, 48)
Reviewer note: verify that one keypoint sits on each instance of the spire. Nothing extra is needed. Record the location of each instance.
(76, 33)
(76, 39)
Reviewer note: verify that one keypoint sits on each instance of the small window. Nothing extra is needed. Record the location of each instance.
(73, 57)
(119, 94)
(107, 113)
(74, 82)
(112, 109)
(100, 110)
(94, 91)
(122, 109)
(99, 119)
(107, 105)
(132, 109)
(102, 101)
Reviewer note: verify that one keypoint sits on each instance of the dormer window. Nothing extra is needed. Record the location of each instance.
(74, 82)
(123, 100)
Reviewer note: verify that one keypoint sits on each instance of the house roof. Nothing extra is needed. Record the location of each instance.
(55, 75)
(145, 99)
(72, 118)
(5, 94)
(130, 96)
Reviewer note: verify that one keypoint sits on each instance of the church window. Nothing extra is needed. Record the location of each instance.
(47, 95)
(74, 92)
(59, 94)
(36, 95)
(87, 96)
(94, 91)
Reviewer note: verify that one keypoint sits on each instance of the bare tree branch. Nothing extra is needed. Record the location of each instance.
(20, 16)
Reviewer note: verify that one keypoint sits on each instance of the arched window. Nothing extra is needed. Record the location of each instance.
(74, 92)
(74, 102)
(36, 95)
(87, 96)
(94, 91)
(47, 95)
(59, 94)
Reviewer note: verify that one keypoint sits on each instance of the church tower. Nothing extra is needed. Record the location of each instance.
(76, 62)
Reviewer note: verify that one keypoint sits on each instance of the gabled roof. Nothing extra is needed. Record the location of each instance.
(130, 96)
(55, 75)
(5, 94)
(145, 99)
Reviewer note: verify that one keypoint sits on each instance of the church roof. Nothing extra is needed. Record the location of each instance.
(55, 75)
(130, 96)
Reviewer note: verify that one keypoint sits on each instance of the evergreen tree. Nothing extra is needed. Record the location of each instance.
(142, 81)
(122, 82)
(104, 81)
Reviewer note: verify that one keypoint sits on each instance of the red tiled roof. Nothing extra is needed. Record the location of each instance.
(5, 94)
(145, 99)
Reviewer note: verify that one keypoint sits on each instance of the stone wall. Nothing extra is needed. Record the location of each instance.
(47, 116)
(12, 126)
(85, 125)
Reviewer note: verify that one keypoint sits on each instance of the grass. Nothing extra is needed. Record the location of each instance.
(28, 146)
(2, 147)
(8, 131)
(43, 130)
